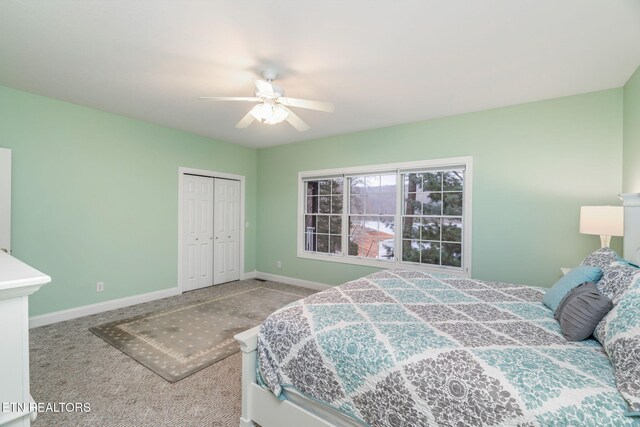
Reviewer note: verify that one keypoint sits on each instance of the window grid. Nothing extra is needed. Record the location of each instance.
(323, 215)
(427, 247)
(444, 249)
(371, 216)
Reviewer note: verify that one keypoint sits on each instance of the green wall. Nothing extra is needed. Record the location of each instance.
(95, 194)
(95, 197)
(631, 167)
(534, 166)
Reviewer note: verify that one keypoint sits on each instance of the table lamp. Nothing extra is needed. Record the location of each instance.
(603, 221)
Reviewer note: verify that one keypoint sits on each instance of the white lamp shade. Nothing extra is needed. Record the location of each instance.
(602, 220)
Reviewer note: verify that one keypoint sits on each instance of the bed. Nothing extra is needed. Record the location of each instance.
(409, 348)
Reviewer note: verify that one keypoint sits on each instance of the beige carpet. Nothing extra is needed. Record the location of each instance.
(176, 342)
(70, 364)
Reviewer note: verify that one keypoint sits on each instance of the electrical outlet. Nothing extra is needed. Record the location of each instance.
(279, 264)
(99, 286)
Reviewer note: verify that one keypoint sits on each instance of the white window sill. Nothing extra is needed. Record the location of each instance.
(367, 262)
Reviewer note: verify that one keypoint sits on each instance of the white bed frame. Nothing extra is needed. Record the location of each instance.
(262, 407)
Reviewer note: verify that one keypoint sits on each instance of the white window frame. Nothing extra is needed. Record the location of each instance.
(398, 168)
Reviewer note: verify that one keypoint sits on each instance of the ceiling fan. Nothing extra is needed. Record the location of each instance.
(272, 107)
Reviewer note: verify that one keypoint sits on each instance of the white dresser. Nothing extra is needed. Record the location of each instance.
(17, 282)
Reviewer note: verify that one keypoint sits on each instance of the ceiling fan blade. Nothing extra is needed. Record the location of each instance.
(264, 87)
(307, 103)
(245, 121)
(296, 121)
(229, 98)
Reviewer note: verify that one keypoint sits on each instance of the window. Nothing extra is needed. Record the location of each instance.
(432, 218)
(415, 213)
(372, 216)
(323, 216)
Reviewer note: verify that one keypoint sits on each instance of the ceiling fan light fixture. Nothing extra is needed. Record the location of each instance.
(279, 115)
(261, 112)
(269, 113)
(273, 106)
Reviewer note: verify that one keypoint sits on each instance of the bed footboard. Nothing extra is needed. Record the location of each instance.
(248, 346)
(260, 405)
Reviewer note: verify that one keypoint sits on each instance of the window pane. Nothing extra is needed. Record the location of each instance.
(356, 226)
(312, 188)
(372, 184)
(432, 181)
(412, 182)
(429, 196)
(430, 253)
(323, 243)
(358, 223)
(353, 246)
(309, 240)
(323, 224)
(411, 205)
(324, 204)
(372, 204)
(382, 224)
(372, 236)
(410, 251)
(356, 205)
(336, 186)
(387, 197)
(325, 186)
(310, 222)
(336, 204)
(357, 184)
(371, 245)
(411, 228)
(335, 224)
(335, 244)
(453, 180)
(452, 230)
(433, 205)
(431, 229)
(453, 203)
(386, 249)
(452, 254)
(312, 204)
(388, 183)
(387, 203)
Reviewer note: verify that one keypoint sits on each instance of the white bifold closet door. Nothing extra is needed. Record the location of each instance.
(226, 226)
(197, 266)
(211, 231)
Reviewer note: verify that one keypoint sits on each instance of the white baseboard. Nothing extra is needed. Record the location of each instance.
(249, 275)
(86, 310)
(292, 281)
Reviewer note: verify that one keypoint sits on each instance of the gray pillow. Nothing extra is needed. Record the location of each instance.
(601, 258)
(580, 311)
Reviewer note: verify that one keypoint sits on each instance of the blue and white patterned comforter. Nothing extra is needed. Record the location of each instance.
(407, 348)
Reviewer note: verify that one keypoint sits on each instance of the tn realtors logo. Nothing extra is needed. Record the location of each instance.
(55, 407)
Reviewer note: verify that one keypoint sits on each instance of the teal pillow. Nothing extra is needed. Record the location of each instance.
(577, 276)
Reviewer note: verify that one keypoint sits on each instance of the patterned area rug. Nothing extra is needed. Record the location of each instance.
(175, 343)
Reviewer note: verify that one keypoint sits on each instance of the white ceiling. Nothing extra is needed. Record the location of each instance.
(380, 62)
